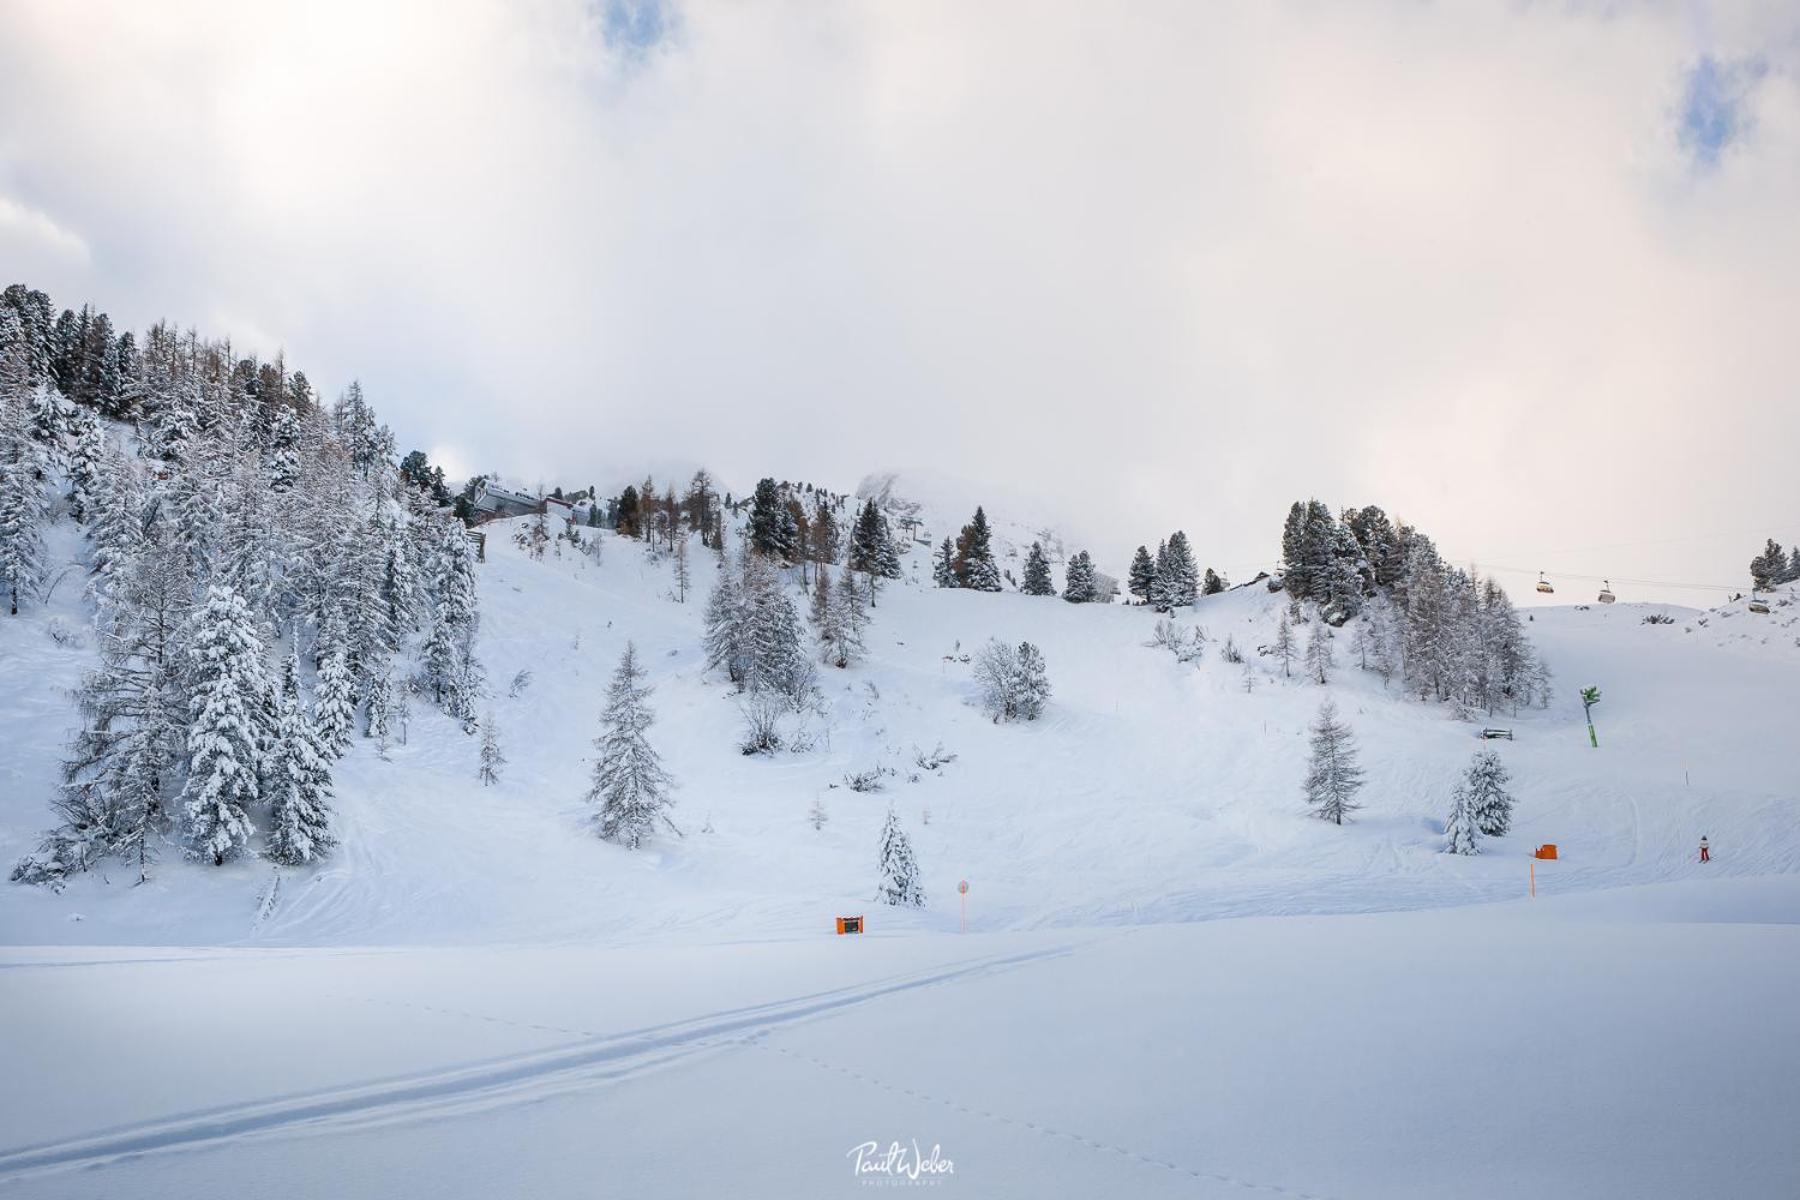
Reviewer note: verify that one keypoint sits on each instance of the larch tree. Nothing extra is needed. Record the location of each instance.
(1332, 775)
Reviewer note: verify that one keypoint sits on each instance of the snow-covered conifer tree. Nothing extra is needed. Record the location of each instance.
(849, 618)
(1037, 580)
(23, 505)
(973, 563)
(334, 696)
(630, 785)
(725, 641)
(1141, 580)
(492, 758)
(943, 567)
(299, 782)
(1078, 586)
(227, 680)
(1031, 682)
(1461, 831)
(1319, 657)
(1332, 775)
(898, 872)
(1485, 785)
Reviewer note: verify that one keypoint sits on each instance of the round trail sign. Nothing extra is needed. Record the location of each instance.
(963, 887)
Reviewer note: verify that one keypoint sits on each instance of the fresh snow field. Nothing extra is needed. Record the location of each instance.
(1174, 981)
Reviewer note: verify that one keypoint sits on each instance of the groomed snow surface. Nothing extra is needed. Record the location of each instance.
(1174, 981)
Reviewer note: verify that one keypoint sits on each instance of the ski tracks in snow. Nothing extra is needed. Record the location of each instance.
(597, 1059)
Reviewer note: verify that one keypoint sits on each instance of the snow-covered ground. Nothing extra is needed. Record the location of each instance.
(476, 996)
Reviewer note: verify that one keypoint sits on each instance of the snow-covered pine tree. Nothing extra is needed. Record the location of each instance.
(773, 530)
(334, 694)
(1332, 775)
(773, 659)
(1319, 657)
(630, 785)
(1078, 583)
(282, 461)
(492, 758)
(872, 549)
(226, 678)
(1283, 648)
(299, 781)
(724, 639)
(1462, 833)
(1177, 575)
(897, 870)
(23, 505)
(1141, 580)
(1491, 803)
(973, 564)
(1212, 583)
(378, 724)
(943, 567)
(87, 453)
(1031, 683)
(1343, 582)
(1037, 580)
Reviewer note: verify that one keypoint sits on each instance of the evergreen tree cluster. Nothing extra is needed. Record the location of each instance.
(1449, 634)
(753, 632)
(243, 526)
(1170, 579)
(1773, 567)
(968, 562)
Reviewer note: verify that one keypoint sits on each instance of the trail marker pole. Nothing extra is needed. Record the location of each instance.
(1534, 879)
(962, 889)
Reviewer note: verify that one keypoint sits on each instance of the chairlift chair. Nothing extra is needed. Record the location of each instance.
(1543, 585)
(1606, 592)
(1758, 606)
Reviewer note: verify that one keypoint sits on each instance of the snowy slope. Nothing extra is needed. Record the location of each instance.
(1150, 791)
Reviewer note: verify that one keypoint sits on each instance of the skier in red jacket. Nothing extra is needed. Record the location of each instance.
(1705, 853)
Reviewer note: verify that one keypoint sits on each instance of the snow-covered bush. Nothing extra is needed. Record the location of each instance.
(1013, 680)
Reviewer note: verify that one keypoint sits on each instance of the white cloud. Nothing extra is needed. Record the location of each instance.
(1166, 264)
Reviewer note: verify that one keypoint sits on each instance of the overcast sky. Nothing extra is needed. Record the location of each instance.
(1525, 274)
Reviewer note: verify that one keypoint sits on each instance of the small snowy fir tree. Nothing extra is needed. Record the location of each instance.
(1486, 785)
(1319, 658)
(300, 790)
(226, 682)
(630, 785)
(943, 566)
(816, 816)
(1332, 776)
(491, 757)
(1037, 573)
(1461, 832)
(899, 873)
(1032, 683)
